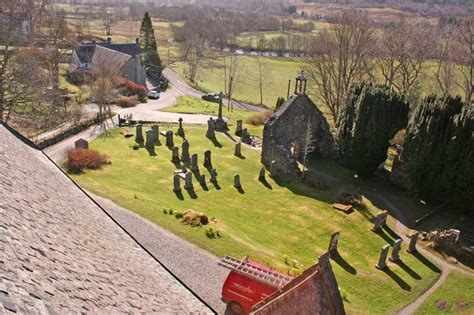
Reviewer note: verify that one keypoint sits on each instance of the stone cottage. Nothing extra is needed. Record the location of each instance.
(284, 133)
(125, 58)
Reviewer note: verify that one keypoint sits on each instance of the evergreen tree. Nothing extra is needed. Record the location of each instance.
(371, 116)
(149, 48)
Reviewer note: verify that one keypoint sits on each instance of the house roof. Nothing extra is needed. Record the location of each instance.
(86, 52)
(315, 291)
(113, 58)
(293, 99)
(61, 253)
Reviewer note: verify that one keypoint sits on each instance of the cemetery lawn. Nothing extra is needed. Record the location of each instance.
(455, 296)
(267, 222)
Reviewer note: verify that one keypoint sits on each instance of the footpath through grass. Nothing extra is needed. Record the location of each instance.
(268, 221)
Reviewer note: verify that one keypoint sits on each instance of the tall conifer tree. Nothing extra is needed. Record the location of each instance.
(149, 48)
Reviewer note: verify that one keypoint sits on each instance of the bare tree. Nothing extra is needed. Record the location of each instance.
(192, 53)
(307, 144)
(232, 73)
(263, 73)
(464, 54)
(338, 58)
(445, 68)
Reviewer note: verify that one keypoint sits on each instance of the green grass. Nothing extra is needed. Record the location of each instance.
(458, 294)
(265, 222)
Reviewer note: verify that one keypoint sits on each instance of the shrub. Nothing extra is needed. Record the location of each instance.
(127, 101)
(136, 147)
(279, 102)
(80, 159)
(210, 233)
(170, 211)
(130, 88)
(178, 215)
(165, 211)
(260, 118)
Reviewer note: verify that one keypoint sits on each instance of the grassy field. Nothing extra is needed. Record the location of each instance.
(267, 221)
(455, 296)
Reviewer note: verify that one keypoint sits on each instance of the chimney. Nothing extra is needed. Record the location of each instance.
(109, 40)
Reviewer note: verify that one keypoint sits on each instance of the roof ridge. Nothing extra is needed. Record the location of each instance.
(20, 137)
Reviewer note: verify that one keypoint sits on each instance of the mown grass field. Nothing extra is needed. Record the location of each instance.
(265, 220)
(455, 296)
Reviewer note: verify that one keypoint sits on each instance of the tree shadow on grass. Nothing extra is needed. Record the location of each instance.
(343, 263)
(192, 193)
(215, 142)
(383, 235)
(391, 232)
(426, 262)
(408, 270)
(229, 136)
(365, 213)
(179, 195)
(265, 183)
(405, 286)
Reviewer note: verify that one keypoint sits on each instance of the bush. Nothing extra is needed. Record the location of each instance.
(130, 88)
(80, 159)
(210, 233)
(260, 118)
(178, 214)
(127, 101)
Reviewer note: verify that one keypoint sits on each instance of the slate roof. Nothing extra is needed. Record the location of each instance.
(113, 58)
(86, 52)
(61, 253)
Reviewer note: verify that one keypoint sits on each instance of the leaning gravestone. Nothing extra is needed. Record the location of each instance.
(139, 134)
(238, 130)
(213, 176)
(261, 175)
(382, 263)
(237, 183)
(176, 183)
(81, 144)
(238, 149)
(156, 134)
(169, 139)
(333, 243)
(188, 181)
(194, 163)
(211, 134)
(379, 221)
(149, 143)
(185, 151)
(412, 245)
(207, 159)
(180, 128)
(175, 155)
(396, 251)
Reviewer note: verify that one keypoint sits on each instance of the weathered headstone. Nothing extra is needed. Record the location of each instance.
(156, 134)
(273, 169)
(207, 159)
(237, 183)
(180, 128)
(238, 149)
(169, 139)
(379, 221)
(175, 155)
(149, 143)
(382, 263)
(176, 183)
(185, 151)
(81, 144)
(184, 169)
(139, 134)
(245, 136)
(333, 243)
(213, 176)
(396, 251)
(238, 129)
(194, 163)
(412, 245)
(210, 129)
(261, 175)
(188, 181)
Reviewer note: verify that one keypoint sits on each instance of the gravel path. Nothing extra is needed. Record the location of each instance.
(194, 266)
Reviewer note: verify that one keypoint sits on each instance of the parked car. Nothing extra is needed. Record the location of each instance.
(154, 95)
(211, 97)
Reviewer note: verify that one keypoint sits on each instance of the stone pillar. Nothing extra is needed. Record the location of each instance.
(180, 128)
(383, 257)
(396, 251)
(238, 149)
(169, 139)
(237, 183)
(149, 143)
(213, 176)
(176, 183)
(412, 245)
(273, 169)
(238, 129)
(210, 129)
(175, 155)
(261, 175)
(333, 243)
(194, 163)
(379, 221)
(139, 134)
(188, 181)
(185, 151)
(207, 159)
(156, 134)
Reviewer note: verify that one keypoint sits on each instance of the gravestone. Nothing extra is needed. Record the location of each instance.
(176, 183)
(139, 134)
(169, 139)
(213, 176)
(202, 179)
(194, 163)
(149, 143)
(184, 169)
(238, 149)
(333, 243)
(245, 137)
(379, 221)
(261, 175)
(175, 155)
(383, 257)
(396, 251)
(273, 170)
(412, 245)
(237, 183)
(207, 159)
(211, 134)
(156, 134)
(220, 123)
(185, 151)
(188, 181)
(238, 129)
(180, 128)
(81, 144)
